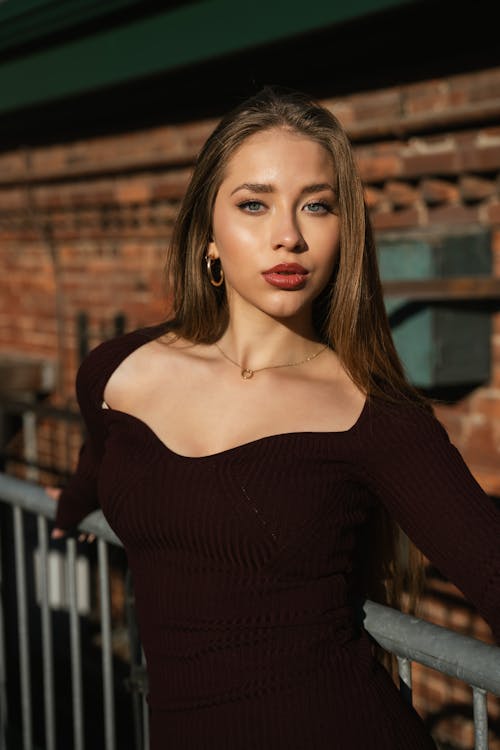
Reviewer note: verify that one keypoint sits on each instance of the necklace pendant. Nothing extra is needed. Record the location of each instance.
(247, 374)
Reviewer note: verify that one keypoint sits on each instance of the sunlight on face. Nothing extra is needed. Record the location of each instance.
(276, 204)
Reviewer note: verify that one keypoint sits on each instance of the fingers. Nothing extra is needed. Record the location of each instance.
(53, 492)
(89, 537)
(56, 533)
(59, 533)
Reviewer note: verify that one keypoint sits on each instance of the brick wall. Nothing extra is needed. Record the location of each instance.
(84, 226)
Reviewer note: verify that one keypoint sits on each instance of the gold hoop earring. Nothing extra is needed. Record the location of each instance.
(209, 272)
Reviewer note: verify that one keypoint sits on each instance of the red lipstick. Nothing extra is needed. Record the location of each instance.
(286, 275)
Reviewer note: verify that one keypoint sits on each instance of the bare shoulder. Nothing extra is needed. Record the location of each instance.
(158, 362)
(345, 390)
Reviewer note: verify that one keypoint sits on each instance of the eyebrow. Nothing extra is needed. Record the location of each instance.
(257, 187)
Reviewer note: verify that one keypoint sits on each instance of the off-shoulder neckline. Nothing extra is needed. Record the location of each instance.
(248, 445)
(142, 339)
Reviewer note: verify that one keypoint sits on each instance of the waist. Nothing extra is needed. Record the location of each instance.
(192, 667)
(206, 599)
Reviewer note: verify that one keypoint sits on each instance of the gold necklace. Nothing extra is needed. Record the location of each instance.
(247, 373)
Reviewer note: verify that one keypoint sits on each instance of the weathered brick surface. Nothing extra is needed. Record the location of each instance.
(376, 105)
(484, 85)
(454, 214)
(401, 194)
(439, 191)
(473, 188)
(403, 219)
(379, 162)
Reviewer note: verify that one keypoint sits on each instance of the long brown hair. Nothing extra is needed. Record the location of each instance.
(349, 314)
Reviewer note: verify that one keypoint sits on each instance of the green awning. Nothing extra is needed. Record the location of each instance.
(147, 45)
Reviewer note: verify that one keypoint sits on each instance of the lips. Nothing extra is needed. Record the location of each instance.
(286, 276)
(286, 268)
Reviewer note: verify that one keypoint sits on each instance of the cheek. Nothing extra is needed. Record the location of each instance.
(234, 238)
(326, 240)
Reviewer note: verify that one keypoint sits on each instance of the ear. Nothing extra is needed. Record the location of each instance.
(212, 250)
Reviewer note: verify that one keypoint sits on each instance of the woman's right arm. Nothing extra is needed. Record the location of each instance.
(79, 498)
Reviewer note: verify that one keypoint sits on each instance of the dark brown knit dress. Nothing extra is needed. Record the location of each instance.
(244, 566)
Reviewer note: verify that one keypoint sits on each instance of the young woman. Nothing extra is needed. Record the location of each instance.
(258, 452)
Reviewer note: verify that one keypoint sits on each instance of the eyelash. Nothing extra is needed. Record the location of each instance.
(328, 208)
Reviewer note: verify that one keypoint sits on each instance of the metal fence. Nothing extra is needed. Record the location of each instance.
(410, 638)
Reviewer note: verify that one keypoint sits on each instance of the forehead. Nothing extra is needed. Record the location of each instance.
(279, 154)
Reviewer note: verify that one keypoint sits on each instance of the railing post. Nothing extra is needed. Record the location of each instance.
(3, 668)
(107, 657)
(30, 444)
(480, 718)
(76, 663)
(23, 630)
(404, 669)
(47, 650)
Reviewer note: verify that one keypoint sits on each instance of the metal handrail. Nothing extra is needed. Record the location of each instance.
(32, 497)
(410, 638)
(462, 656)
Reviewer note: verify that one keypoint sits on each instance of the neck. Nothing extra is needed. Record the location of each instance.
(269, 342)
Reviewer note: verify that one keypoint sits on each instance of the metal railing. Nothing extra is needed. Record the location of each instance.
(411, 639)
(26, 497)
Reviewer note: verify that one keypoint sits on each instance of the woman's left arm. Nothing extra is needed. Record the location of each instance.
(425, 484)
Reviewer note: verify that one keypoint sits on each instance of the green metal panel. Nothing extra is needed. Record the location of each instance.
(23, 21)
(439, 344)
(164, 41)
(405, 258)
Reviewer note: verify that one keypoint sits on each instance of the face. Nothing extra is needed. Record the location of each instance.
(276, 205)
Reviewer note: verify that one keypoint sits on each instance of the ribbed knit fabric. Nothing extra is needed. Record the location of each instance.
(244, 563)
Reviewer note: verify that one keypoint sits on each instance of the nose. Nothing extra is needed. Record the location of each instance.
(286, 232)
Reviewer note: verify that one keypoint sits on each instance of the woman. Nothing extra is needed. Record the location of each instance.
(257, 452)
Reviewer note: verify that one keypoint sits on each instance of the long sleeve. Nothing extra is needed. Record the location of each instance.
(421, 478)
(79, 497)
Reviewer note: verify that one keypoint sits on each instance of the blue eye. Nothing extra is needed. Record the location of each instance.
(318, 207)
(249, 204)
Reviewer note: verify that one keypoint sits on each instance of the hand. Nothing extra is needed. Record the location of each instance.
(54, 492)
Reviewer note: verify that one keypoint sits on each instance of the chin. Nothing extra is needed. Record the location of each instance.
(289, 311)
(281, 304)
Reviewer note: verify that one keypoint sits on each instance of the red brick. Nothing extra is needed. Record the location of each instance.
(477, 87)
(482, 443)
(446, 162)
(454, 421)
(401, 193)
(492, 212)
(375, 198)
(12, 199)
(454, 215)
(13, 166)
(482, 156)
(430, 96)
(385, 104)
(487, 404)
(396, 219)
(379, 164)
(172, 187)
(439, 191)
(343, 111)
(476, 188)
(133, 191)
